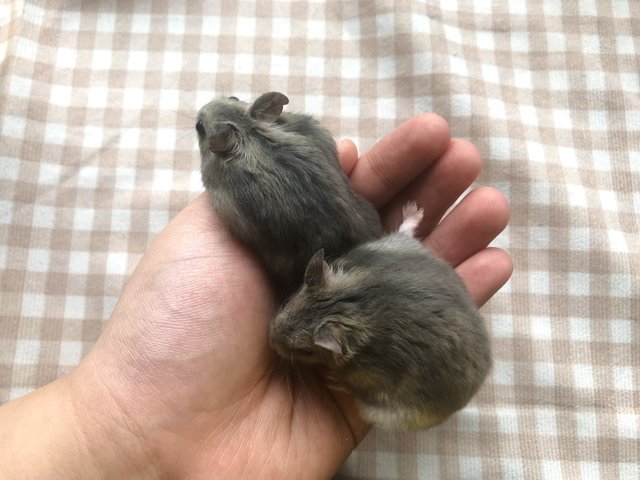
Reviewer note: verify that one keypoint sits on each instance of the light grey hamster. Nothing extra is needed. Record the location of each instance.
(275, 180)
(394, 325)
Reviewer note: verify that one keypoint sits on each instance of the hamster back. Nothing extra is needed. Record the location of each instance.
(395, 326)
(275, 180)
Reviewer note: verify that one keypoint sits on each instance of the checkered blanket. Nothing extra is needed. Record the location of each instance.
(97, 153)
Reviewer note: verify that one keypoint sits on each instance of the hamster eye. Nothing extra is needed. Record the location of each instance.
(234, 98)
(200, 128)
(304, 351)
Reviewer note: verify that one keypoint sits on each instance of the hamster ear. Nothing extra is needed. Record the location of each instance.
(329, 336)
(317, 269)
(222, 136)
(268, 106)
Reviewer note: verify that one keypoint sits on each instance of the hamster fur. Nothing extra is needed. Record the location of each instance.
(394, 325)
(275, 180)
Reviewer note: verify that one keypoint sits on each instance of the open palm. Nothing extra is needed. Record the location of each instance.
(185, 361)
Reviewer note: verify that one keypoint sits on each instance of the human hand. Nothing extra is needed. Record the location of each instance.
(182, 382)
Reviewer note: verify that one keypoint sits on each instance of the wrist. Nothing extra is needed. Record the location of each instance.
(70, 429)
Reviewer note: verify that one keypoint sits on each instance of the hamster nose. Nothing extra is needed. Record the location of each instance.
(200, 128)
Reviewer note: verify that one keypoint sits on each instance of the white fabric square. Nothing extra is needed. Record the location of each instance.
(502, 326)
(70, 353)
(49, 174)
(620, 331)
(541, 327)
(208, 62)
(580, 329)
(512, 468)
(162, 179)
(27, 352)
(43, 216)
(538, 283)
(507, 420)
(88, 177)
(586, 424)
(55, 133)
(78, 262)
(13, 126)
(137, 60)
(9, 168)
(350, 107)
(281, 27)
(92, 137)
(503, 373)
(176, 24)
(558, 80)
(141, 23)
(349, 67)
(620, 285)
(500, 148)
(65, 58)
(101, 59)
(544, 374)
(117, 263)
(120, 220)
(546, 422)
(33, 305)
(386, 67)
(20, 86)
(106, 22)
(529, 116)
(75, 307)
(38, 260)
(461, 104)
(552, 470)
(83, 218)
(315, 66)
(628, 425)
(577, 196)
(60, 95)
(623, 378)
(579, 284)
(172, 62)
(279, 65)
(583, 376)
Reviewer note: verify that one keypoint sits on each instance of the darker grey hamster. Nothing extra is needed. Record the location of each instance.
(275, 180)
(395, 326)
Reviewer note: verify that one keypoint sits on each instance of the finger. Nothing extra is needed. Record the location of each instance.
(399, 157)
(347, 405)
(485, 273)
(470, 226)
(437, 188)
(348, 155)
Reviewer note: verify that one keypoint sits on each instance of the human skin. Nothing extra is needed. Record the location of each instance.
(182, 383)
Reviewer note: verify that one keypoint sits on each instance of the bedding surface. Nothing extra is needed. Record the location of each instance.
(98, 152)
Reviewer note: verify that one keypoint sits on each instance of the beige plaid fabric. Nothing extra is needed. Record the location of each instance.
(97, 153)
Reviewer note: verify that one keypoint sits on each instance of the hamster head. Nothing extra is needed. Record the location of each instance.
(321, 323)
(227, 125)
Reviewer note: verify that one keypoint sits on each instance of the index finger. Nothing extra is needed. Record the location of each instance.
(399, 157)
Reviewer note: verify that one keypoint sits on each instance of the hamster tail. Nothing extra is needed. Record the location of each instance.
(411, 218)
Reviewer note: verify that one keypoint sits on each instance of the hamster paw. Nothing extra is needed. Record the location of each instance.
(411, 218)
(332, 382)
(400, 418)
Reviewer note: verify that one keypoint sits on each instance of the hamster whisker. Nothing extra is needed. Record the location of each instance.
(182, 114)
(288, 373)
(300, 376)
(191, 133)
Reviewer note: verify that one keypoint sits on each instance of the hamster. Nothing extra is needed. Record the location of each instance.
(392, 324)
(275, 180)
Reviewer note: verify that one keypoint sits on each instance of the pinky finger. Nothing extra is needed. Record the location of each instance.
(485, 273)
(348, 155)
